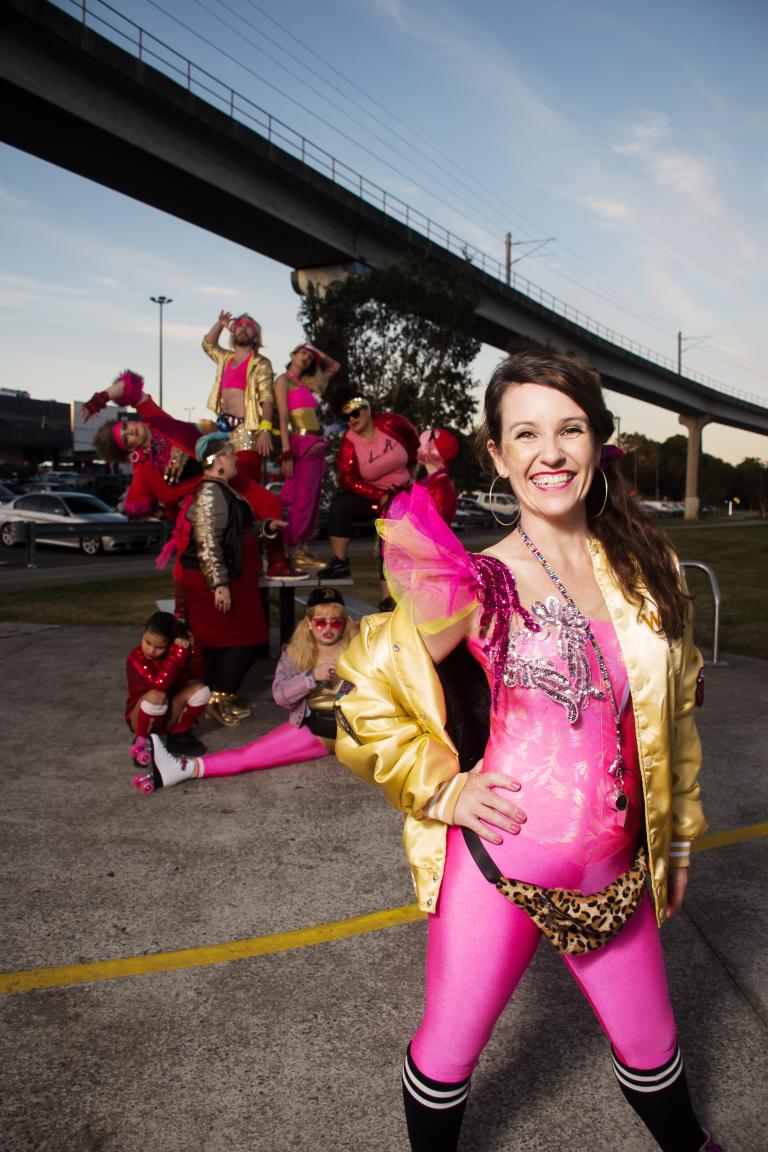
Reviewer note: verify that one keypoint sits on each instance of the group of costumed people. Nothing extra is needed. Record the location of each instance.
(206, 478)
(530, 709)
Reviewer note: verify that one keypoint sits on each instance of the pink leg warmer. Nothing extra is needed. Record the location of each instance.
(284, 745)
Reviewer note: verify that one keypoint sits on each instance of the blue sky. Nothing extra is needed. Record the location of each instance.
(634, 135)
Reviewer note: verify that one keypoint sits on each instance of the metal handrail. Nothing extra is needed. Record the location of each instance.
(716, 597)
(185, 72)
(28, 532)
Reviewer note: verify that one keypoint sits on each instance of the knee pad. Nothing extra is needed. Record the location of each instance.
(200, 698)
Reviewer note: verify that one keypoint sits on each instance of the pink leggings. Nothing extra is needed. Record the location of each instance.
(479, 946)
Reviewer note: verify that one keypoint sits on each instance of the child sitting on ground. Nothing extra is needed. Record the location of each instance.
(165, 688)
(305, 682)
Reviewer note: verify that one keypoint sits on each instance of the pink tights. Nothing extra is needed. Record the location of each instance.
(284, 745)
(479, 946)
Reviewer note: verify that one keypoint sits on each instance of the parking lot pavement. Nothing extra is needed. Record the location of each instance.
(299, 1047)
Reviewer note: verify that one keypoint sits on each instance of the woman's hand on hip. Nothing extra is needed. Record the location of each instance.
(676, 885)
(478, 806)
(222, 598)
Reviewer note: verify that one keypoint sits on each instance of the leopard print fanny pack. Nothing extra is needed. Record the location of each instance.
(575, 923)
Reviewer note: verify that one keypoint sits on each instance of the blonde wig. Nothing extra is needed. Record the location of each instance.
(302, 648)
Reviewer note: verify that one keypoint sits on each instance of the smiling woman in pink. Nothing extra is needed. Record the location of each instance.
(530, 710)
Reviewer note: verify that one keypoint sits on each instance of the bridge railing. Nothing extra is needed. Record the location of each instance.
(151, 50)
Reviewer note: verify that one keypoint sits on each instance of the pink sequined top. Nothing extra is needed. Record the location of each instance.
(552, 727)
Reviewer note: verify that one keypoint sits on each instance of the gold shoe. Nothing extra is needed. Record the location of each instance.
(222, 707)
(303, 558)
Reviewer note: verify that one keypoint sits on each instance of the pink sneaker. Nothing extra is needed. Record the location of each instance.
(710, 1145)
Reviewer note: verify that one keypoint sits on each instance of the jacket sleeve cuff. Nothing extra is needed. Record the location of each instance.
(442, 806)
(680, 854)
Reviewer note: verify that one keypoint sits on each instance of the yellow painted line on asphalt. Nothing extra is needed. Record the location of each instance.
(36, 978)
(735, 836)
(32, 979)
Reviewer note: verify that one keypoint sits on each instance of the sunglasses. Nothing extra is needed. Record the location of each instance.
(345, 417)
(335, 622)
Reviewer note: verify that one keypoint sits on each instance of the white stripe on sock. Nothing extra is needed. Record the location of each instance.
(653, 1080)
(433, 1097)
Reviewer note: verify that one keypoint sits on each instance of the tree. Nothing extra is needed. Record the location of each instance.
(403, 336)
(752, 483)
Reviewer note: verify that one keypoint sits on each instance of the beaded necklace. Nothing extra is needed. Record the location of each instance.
(618, 799)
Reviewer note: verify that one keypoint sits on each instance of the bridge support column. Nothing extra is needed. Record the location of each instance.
(321, 278)
(695, 425)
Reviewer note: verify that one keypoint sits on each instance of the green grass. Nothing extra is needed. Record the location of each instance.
(738, 554)
(99, 602)
(739, 557)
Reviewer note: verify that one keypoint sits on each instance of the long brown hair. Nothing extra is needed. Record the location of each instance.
(637, 550)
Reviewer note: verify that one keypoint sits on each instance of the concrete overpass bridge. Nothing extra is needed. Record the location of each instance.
(143, 120)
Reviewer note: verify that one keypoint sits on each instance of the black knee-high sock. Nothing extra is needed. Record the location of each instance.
(433, 1109)
(660, 1098)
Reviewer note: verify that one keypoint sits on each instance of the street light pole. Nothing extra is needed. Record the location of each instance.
(161, 300)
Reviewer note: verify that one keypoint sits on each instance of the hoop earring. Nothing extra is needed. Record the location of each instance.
(502, 523)
(597, 515)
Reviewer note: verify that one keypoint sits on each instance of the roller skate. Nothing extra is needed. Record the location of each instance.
(141, 753)
(147, 784)
(168, 769)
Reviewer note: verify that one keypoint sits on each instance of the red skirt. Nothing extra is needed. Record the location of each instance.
(244, 624)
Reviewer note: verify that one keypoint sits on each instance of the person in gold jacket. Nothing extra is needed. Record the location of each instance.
(243, 393)
(538, 698)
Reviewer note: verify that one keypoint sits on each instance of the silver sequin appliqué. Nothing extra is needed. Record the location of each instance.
(573, 691)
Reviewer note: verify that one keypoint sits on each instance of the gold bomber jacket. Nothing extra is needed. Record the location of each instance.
(392, 733)
(259, 383)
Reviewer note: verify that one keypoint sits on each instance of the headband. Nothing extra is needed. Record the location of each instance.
(355, 402)
(608, 453)
(117, 435)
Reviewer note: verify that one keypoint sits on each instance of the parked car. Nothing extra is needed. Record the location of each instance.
(663, 507)
(504, 503)
(10, 489)
(66, 507)
(471, 514)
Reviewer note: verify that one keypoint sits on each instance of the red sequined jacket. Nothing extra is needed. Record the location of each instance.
(164, 473)
(347, 468)
(167, 674)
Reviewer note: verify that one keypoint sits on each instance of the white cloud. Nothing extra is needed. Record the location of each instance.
(216, 290)
(691, 177)
(644, 136)
(9, 199)
(394, 10)
(611, 211)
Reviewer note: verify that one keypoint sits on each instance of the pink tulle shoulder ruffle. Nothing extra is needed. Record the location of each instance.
(425, 561)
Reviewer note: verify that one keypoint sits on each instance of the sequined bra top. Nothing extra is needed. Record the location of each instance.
(301, 405)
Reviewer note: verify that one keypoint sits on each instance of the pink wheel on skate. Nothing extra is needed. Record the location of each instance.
(144, 784)
(141, 752)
